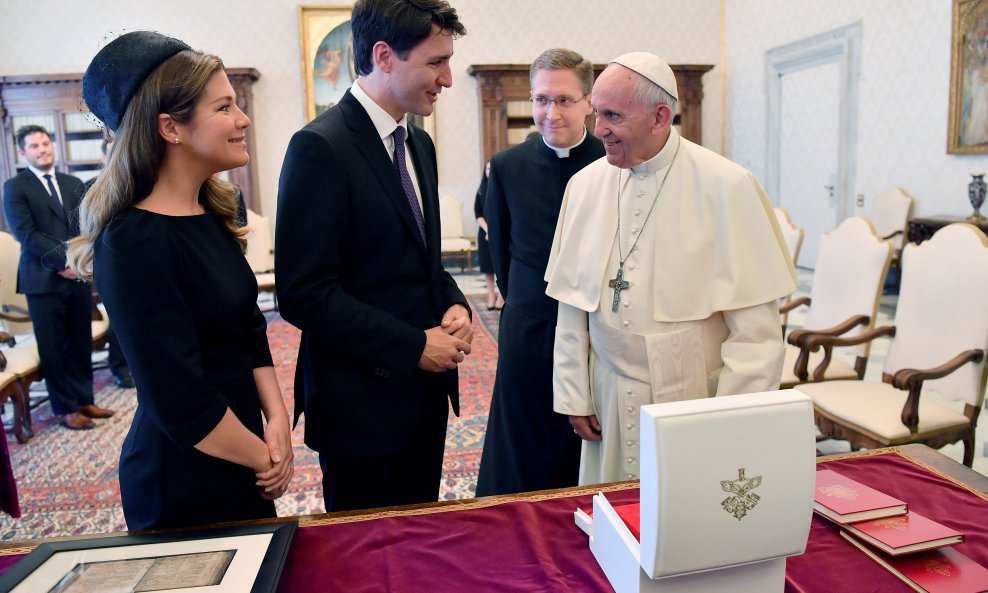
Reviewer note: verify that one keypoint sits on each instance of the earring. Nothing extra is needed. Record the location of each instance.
(176, 141)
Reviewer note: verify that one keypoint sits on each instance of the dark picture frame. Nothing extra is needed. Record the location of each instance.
(268, 568)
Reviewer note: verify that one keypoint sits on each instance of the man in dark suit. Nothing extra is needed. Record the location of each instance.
(41, 205)
(358, 265)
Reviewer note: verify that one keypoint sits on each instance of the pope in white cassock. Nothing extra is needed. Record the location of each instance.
(667, 262)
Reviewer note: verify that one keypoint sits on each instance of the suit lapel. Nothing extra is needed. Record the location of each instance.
(371, 147)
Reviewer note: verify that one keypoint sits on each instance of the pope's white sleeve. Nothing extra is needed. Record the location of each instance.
(753, 352)
(571, 363)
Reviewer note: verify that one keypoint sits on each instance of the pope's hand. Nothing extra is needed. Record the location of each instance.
(586, 427)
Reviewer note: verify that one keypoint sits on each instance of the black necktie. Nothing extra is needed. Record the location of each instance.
(53, 191)
(406, 179)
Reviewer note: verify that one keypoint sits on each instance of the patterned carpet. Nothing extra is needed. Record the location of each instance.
(67, 480)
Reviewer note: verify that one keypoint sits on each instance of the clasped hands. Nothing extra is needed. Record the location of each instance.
(273, 482)
(447, 344)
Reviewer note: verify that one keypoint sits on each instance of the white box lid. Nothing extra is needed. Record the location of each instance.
(698, 513)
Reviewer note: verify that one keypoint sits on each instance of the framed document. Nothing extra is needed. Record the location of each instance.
(225, 560)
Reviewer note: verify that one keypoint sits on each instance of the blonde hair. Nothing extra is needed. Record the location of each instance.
(174, 88)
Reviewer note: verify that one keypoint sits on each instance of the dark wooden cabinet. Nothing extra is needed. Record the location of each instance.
(506, 112)
(922, 228)
(55, 102)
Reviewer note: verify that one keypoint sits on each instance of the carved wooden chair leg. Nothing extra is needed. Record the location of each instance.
(969, 449)
(18, 425)
(23, 392)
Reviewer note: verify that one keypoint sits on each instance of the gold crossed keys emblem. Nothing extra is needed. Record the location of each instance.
(743, 499)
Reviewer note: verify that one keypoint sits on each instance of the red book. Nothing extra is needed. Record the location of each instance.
(904, 534)
(944, 570)
(842, 500)
(630, 513)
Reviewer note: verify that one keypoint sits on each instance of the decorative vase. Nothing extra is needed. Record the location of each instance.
(976, 193)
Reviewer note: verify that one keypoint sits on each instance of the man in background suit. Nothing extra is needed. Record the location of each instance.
(357, 255)
(40, 205)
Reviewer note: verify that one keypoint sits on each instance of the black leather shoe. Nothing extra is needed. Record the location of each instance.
(123, 379)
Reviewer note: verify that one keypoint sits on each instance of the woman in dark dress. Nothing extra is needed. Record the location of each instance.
(160, 238)
(494, 300)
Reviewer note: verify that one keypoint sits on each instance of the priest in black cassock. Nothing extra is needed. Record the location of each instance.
(528, 446)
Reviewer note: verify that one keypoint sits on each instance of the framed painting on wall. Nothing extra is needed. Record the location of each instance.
(967, 125)
(328, 62)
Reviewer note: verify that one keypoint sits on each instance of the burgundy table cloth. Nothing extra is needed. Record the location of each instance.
(530, 544)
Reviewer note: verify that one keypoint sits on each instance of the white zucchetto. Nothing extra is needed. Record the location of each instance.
(651, 67)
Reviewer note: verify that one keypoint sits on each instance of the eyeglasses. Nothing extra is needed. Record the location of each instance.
(563, 102)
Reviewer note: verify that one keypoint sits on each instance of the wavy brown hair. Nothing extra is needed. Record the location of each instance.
(175, 88)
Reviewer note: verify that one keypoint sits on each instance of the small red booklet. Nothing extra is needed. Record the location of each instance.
(843, 500)
(630, 513)
(944, 570)
(904, 534)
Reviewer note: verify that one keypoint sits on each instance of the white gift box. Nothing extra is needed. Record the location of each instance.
(726, 495)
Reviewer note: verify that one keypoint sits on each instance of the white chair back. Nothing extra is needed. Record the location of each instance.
(260, 246)
(792, 234)
(451, 217)
(890, 213)
(10, 254)
(941, 310)
(851, 265)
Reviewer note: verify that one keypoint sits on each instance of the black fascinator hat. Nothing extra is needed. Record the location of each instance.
(120, 68)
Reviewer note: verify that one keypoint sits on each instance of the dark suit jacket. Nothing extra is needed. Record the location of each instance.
(356, 278)
(42, 228)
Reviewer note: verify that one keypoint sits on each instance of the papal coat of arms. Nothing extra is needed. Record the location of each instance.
(743, 499)
(838, 491)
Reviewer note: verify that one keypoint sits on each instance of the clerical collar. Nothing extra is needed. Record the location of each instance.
(382, 120)
(661, 160)
(564, 152)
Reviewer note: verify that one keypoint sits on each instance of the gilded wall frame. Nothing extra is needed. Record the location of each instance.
(327, 60)
(967, 120)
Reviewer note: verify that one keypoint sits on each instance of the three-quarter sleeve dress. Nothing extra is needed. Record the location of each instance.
(182, 301)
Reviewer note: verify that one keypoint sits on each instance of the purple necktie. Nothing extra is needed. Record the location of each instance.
(406, 180)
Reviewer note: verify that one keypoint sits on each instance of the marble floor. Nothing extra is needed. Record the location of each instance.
(473, 283)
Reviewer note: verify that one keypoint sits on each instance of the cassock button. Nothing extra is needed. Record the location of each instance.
(631, 476)
(630, 391)
(631, 408)
(638, 212)
(627, 304)
(627, 323)
(631, 460)
(641, 194)
(630, 443)
(630, 426)
(631, 265)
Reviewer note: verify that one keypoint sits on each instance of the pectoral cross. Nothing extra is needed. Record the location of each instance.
(618, 284)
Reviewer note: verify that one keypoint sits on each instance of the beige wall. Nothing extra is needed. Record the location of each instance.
(904, 92)
(264, 34)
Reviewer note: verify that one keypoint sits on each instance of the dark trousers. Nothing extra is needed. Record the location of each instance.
(115, 360)
(411, 475)
(63, 330)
